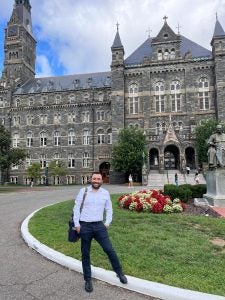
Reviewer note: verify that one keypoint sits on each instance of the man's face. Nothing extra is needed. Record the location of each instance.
(96, 181)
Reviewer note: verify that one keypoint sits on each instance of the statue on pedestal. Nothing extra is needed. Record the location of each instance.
(216, 151)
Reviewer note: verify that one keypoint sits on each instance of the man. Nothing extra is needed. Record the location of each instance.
(89, 223)
(216, 151)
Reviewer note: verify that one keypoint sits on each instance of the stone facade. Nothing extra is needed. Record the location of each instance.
(166, 87)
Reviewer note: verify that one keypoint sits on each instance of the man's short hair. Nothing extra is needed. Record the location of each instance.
(96, 172)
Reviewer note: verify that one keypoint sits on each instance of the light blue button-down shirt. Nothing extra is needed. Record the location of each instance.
(95, 204)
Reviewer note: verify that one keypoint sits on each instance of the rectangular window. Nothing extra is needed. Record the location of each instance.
(43, 141)
(86, 137)
(159, 103)
(71, 161)
(133, 105)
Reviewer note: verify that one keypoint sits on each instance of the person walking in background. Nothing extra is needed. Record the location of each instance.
(196, 178)
(188, 170)
(176, 179)
(89, 224)
(130, 181)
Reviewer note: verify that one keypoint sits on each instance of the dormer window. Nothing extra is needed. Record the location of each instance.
(172, 54)
(159, 54)
(166, 54)
(165, 36)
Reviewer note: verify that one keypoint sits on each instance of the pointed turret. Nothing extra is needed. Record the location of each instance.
(218, 39)
(218, 31)
(218, 49)
(22, 9)
(117, 85)
(117, 50)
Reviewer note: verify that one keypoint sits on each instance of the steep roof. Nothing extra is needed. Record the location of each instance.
(218, 31)
(145, 50)
(66, 83)
(117, 41)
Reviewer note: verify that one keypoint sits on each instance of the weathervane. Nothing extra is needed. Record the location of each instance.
(149, 31)
(178, 27)
(117, 26)
(165, 18)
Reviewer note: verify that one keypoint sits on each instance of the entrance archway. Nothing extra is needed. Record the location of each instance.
(171, 158)
(104, 170)
(190, 157)
(154, 159)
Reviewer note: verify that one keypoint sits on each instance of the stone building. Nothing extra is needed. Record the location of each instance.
(165, 87)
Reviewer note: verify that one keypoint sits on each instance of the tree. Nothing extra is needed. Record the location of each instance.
(203, 132)
(34, 171)
(56, 168)
(9, 156)
(127, 153)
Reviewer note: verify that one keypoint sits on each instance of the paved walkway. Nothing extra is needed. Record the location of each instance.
(24, 274)
(27, 275)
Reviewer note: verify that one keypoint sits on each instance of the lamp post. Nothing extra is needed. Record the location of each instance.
(46, 174)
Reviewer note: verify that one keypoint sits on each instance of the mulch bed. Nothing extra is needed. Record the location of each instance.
(191, 209)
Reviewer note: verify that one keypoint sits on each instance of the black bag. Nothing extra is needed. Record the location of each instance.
(73, 235)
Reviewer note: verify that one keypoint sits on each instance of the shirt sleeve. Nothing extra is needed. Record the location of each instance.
(109, 210)
(76, 209)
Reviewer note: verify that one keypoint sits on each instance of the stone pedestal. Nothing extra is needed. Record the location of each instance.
(215, 181)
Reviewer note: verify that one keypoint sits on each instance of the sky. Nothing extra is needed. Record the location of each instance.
(75, 36)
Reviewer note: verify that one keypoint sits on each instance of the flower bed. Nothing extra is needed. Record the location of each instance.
(150, 201)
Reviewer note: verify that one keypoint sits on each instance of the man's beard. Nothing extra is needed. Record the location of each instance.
(96, 187)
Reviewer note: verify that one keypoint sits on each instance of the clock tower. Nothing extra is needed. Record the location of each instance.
(20, 45)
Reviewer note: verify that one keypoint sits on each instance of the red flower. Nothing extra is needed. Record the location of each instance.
(139, 207)
(127, 203)
(157, 208)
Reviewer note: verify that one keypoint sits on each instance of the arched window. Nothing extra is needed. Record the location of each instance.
(159, 97)
(133, 99)
(159, 54)
(101, 136)
(85, 116)
(203, 93)
(72, 98)
(175, 96)
(166, 54)
(109, 136)
(172, 54)
(100, 97)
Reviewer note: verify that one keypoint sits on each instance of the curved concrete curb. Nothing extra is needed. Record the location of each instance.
(145, 287)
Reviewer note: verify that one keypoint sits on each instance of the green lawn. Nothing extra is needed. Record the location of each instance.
(172, 249)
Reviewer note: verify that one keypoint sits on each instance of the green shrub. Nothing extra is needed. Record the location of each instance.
(171, 190)
(198, 190)
(184, 193)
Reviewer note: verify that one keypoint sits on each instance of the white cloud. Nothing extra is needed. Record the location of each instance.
(43, 66)
(80, 33)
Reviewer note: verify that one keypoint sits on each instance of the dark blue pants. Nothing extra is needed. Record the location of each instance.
(98, 231)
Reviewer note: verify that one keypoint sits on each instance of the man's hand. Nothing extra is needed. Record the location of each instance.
(77, 229)
(106, 226)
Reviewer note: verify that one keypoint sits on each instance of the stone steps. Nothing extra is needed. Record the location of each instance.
(157, 180)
